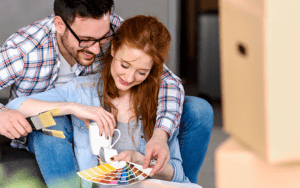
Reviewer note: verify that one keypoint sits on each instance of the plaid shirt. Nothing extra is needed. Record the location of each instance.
(29, 63)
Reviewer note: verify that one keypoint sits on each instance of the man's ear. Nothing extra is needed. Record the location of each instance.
(60, 25)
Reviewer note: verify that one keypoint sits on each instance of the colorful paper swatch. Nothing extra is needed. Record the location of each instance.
(123, 173)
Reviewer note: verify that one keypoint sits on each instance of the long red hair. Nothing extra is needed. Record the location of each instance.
(145, 33)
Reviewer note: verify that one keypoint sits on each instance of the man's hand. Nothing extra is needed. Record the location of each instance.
(13, 124)
(157, 146)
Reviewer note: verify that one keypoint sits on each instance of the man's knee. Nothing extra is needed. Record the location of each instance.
(198, 112)
(37, 139)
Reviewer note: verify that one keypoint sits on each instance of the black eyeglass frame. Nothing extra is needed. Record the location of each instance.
(94, 41)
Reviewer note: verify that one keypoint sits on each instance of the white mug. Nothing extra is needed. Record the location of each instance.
(97, 141)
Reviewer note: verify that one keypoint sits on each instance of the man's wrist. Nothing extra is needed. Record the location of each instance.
(160, 133)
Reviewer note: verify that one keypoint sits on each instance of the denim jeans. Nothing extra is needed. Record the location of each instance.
(194, 134)
(55, 156)
(57, 162)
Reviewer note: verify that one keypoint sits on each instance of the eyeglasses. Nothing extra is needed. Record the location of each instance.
(89, 43)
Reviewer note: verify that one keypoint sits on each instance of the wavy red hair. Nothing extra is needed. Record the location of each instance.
(145, 33)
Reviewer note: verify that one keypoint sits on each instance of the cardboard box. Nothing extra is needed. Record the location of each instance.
(260, 76)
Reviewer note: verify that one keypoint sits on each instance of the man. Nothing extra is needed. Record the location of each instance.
(72, 43)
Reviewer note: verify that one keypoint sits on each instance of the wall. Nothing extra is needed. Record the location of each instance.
(15, 14)
(165, 10)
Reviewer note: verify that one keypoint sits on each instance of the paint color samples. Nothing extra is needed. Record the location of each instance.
(123, 173)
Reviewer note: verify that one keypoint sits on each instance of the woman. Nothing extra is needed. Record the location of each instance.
(127, 91)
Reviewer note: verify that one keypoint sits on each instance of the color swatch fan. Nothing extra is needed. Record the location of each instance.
(122, 173)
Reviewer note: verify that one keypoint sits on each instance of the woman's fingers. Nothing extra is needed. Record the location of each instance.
(106, 122)
(123, 156)
(112, 118)
(109, 124)
(119, 157)
(100, 125)
(103, 118)
(112, 122)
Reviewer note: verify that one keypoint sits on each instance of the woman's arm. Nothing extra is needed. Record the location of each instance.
(65, 98)
(103, 118)
(32, 107)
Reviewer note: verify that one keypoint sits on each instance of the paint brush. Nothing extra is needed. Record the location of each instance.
(58, 134)
(41, 121)
(44, 120)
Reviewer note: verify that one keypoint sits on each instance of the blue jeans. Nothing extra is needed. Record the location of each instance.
(55, 156)
(57, 162)
(194, 134)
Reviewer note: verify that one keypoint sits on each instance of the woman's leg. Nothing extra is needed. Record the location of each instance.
(194, 134)
(55, 156)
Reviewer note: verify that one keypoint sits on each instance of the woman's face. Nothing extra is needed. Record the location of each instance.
(130, 67)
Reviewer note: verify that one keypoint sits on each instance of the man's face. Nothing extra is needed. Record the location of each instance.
(85, 29)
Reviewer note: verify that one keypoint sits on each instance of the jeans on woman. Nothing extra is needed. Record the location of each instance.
(57, 162)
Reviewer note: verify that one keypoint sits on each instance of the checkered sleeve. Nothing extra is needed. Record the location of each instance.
(11, 65)
(170, 102)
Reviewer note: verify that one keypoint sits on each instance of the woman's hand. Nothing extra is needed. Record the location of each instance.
(103, 118)
(130, 156)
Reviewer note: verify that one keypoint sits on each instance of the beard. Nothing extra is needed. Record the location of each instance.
(75, 54)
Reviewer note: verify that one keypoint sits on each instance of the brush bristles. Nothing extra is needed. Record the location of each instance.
(47, 119)
(55, 112)
(54, 133)
(58, 134)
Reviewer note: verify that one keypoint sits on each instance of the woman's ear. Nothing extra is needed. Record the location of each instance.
(60, 25)
(112, 52)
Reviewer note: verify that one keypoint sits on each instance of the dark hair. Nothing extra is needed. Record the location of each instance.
(145, 33)
(69, 9)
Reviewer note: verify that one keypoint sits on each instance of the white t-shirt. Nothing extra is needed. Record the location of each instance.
(66, 72)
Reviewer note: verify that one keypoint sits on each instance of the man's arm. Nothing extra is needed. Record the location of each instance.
(169, 110)
(12, 123)
(170, 103)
